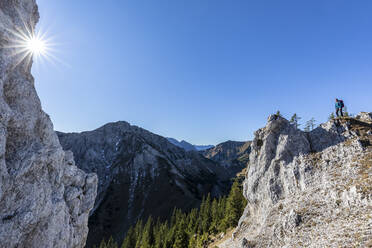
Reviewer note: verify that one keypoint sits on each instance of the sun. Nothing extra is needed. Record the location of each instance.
(36, 46)
(27, 45)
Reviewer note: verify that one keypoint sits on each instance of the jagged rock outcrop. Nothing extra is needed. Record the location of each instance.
(44, 198)
(308, 189)
(364, 116)
(140, 174)
(231, 154)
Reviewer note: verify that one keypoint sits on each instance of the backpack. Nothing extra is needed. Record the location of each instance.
(342, 103)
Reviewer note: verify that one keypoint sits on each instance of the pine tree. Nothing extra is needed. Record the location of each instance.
(158, 234)
(192, 219)
(173, 217)
(170, 237)
(345, 112)
(186, 230)
(331, 116)
(130, 239)
(148, 234)
(294, 120)
(310, 125)
(202, 240)
(193, 241)
(215, 217)
(234, 206)
(205, 212)
(181, 238)
(222, 226)
(138, 233)
(103, 244)
(111, 243)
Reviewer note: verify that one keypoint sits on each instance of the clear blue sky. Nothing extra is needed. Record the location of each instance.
(203, 70)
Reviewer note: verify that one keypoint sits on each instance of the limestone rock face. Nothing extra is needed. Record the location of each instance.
(308, 189)
(364, 116)
(44, 198)
(140, 174)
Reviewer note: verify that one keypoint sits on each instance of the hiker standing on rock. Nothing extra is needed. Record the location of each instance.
(339, 105)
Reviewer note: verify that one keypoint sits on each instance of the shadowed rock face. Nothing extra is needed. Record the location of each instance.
(140, 174)
(233, 155)
(44, 198)
(297, 183)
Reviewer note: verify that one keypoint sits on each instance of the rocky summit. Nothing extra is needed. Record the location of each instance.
(140, 174)
(45, 199)
(308, 189)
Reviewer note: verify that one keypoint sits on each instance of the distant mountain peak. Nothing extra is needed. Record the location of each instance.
(141, 174)
(230, 154)
(187, 146)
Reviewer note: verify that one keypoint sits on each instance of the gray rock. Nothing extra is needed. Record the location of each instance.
(308, 189)
(244, 243)
(247, 244)
(364, 116)
(44, 199)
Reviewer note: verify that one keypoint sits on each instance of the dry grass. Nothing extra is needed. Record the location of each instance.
(364, 180)
(361, 129)
(217, 241)
(242, 173)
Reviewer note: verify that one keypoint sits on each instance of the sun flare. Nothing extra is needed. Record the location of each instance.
(36, 46)
(29, 45)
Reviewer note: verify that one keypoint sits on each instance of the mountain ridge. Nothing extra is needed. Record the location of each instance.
(188, 146)
(231, 154)
(140, 168)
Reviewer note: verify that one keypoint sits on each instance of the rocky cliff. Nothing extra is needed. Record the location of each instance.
(308, 189)
(140, 174)
(44, 198)
(231, 154)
